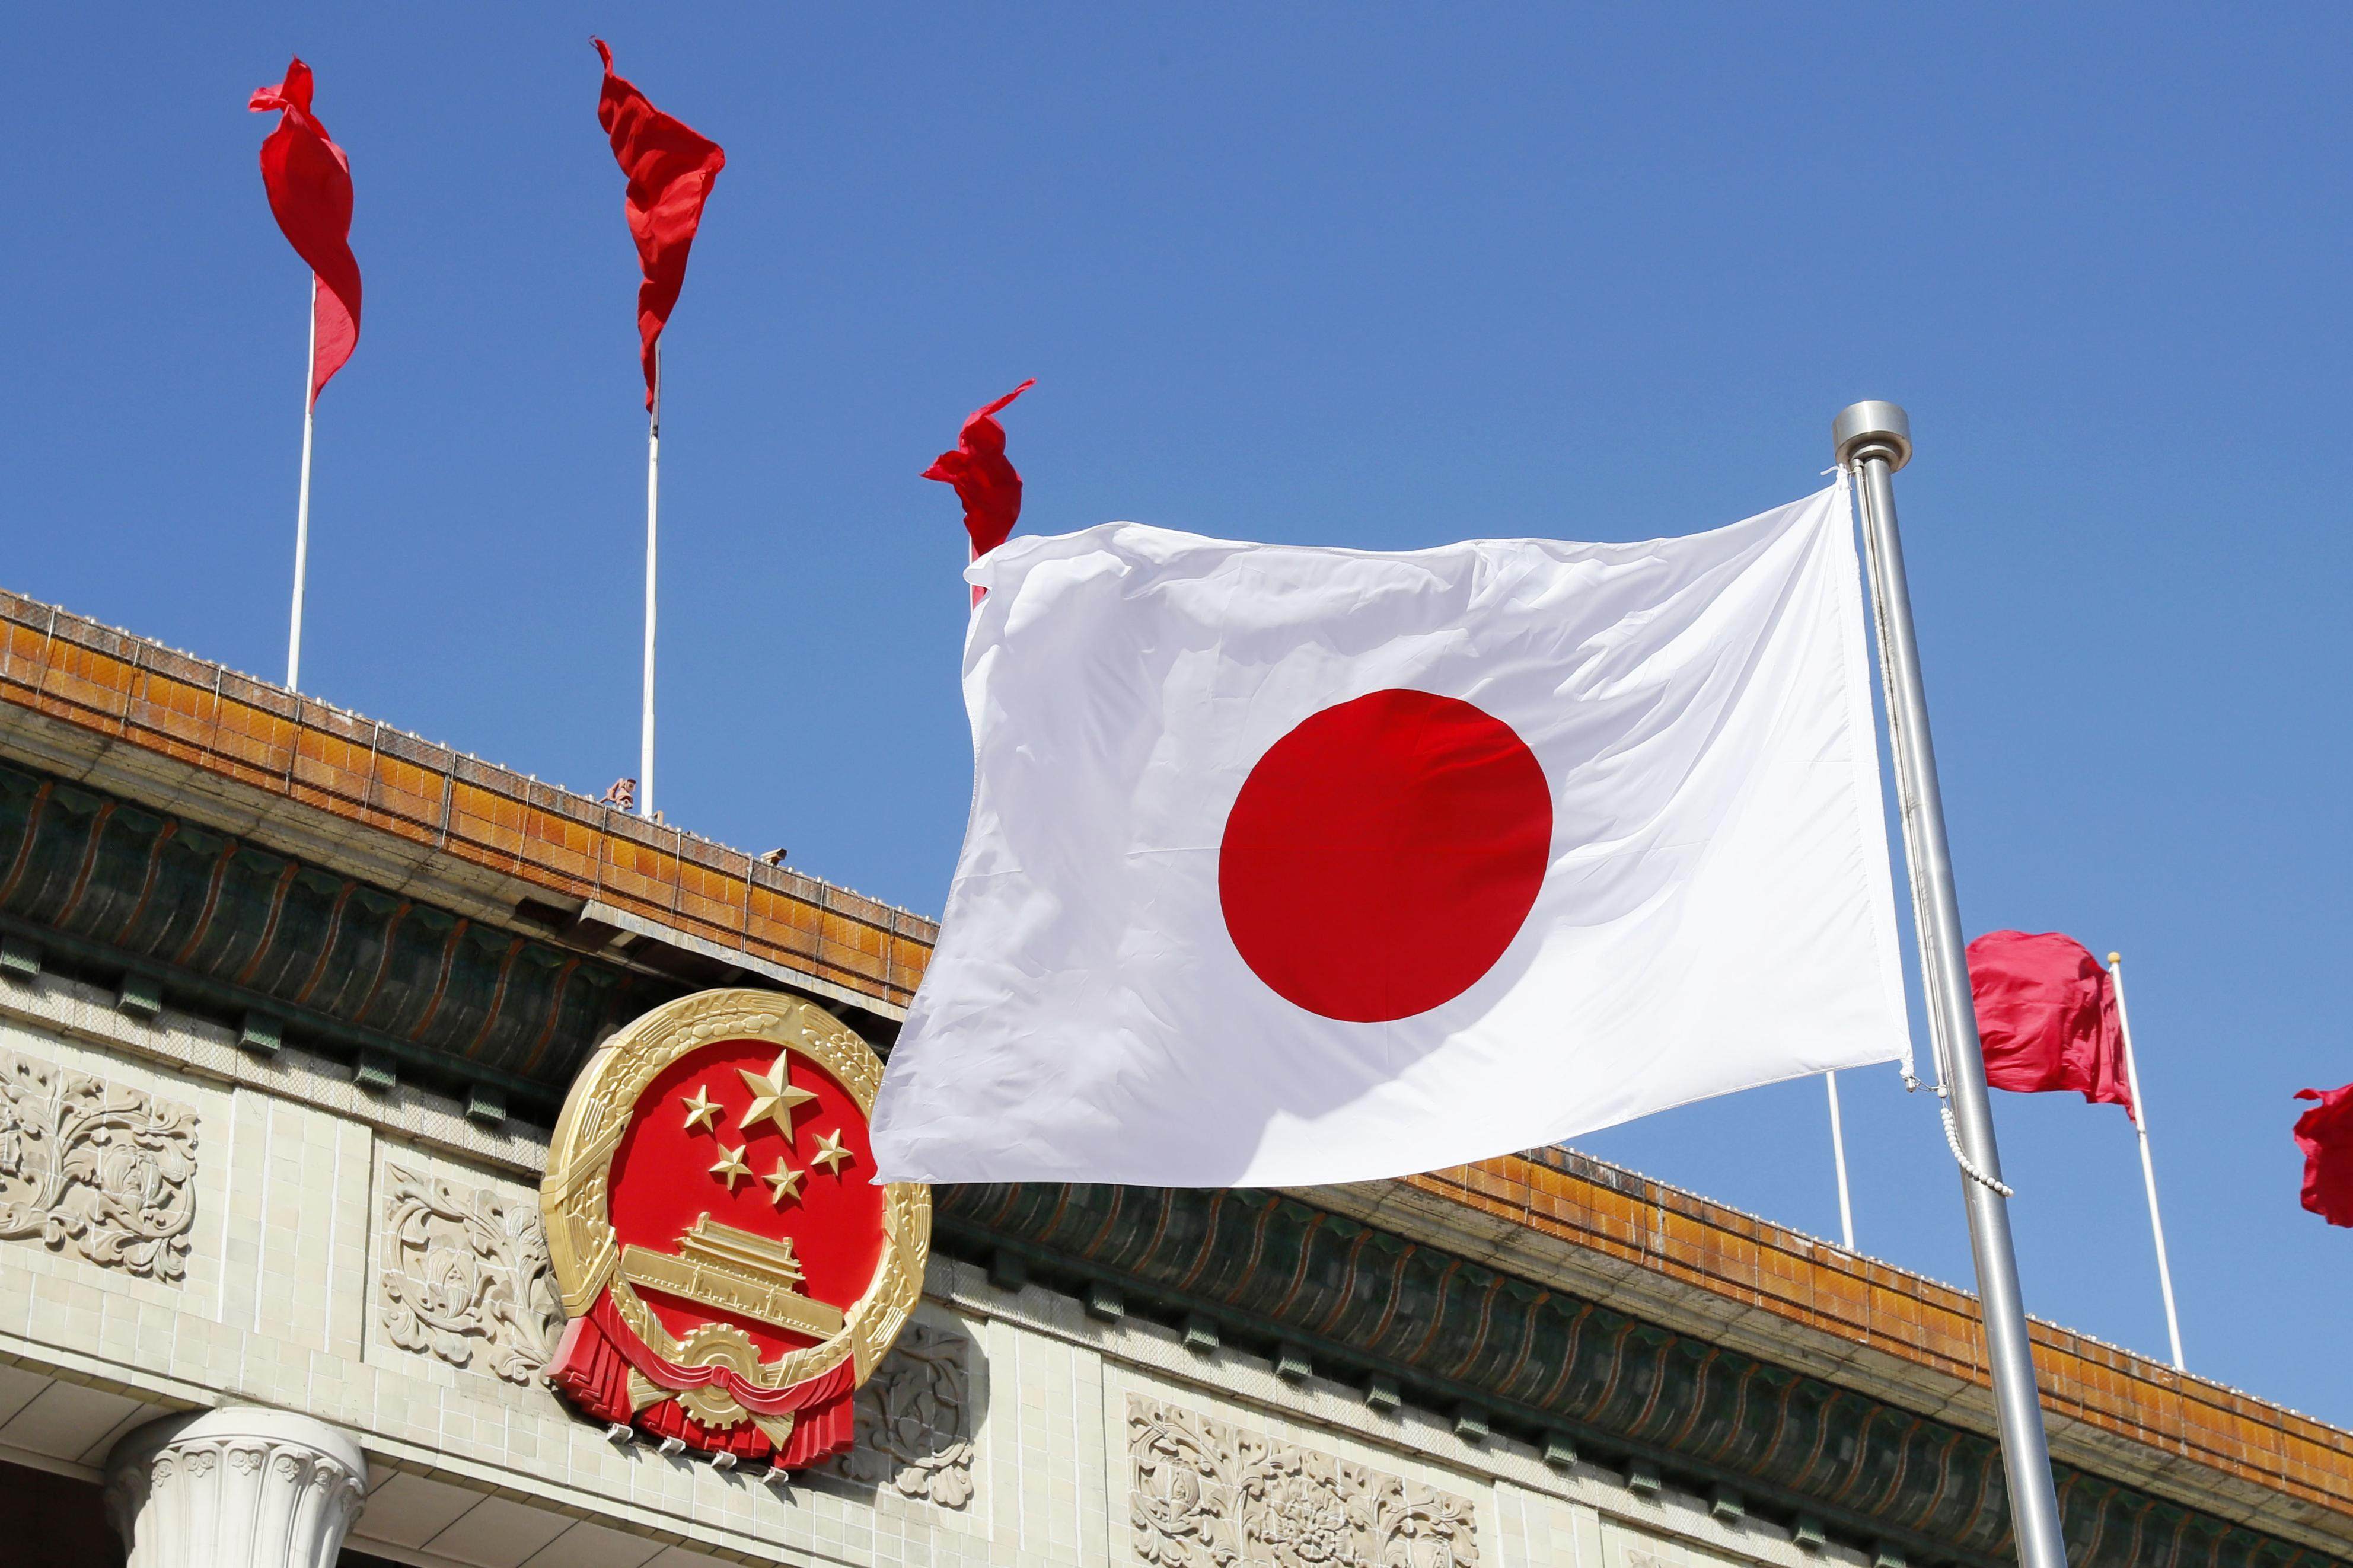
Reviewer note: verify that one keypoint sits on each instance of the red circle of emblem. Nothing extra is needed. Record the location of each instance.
(731, 1272)
(1383, 854)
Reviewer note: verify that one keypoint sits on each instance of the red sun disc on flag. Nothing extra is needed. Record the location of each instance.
(1383, 854)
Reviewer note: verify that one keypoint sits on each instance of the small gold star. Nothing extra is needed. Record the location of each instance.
(784, 1182)
(773, 1096)
(731, 1168)
(701, 1108)
(829, 1152)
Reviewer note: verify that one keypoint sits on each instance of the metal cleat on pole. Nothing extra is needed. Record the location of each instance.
(1872, 440)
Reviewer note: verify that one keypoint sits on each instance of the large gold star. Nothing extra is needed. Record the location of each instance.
(772, 1097)
(784, 1182)
(731, 1168)
(829, 1152)
(701, 1108)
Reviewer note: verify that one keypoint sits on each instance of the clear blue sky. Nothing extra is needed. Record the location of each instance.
(1378, 276)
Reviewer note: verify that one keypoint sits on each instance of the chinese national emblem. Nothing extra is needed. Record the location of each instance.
(731, 1271)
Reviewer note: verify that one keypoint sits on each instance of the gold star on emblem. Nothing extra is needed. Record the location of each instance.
(773, 1096)
(829, 1152)
(701, 1108)
(784, 1182)
(731, 1168)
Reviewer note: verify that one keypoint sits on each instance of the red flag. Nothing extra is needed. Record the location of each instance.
(2325, 1133)
(2047, 1017)
(310, 183)
(670, 170)
(985, 483)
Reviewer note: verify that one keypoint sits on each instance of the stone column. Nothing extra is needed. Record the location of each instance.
(240, 1487)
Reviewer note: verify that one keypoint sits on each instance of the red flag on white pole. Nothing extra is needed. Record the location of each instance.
(670, 169)
(2047, 1017)
(985, 480)
(309, 179)
(2325, 1133)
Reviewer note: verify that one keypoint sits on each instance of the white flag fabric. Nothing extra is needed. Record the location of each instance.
(1290, 866)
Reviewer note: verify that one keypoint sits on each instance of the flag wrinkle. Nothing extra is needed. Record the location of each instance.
(984, 480)
(308, 178)
(2046, 1012)
(669, 168)
(2324, 1134)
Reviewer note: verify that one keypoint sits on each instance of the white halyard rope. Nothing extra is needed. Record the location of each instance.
(1953, 1137)
(1907, 813)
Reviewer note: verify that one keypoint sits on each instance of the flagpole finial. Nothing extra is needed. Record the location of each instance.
(2115, 958)
(1873, 429)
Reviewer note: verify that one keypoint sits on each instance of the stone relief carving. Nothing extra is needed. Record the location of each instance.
(105, 1170)
(1203, 1494)
(915, 1419)
(466, 1273)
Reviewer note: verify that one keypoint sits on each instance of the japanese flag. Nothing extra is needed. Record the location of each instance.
(1290, 866)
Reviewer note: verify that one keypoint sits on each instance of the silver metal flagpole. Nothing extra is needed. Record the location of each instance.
(1838, 1152)
(303, 505)
(2147, 1166)
(653, 513)
(1874, 439)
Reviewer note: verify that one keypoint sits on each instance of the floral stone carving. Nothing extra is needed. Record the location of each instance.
(915, 1420)
(466, 1272)
(105, 1170)
(1204, 1494)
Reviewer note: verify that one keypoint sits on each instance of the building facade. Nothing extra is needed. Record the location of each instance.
(290, 1002)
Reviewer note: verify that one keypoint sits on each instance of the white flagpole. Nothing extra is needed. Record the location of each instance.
(653, 509)
(303, 505)
(2148, 1167)
(1872, 440)
(1838, 1152)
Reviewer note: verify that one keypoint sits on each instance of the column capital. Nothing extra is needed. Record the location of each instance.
(240, 1487)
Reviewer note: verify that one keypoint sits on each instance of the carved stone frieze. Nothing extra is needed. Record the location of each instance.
(94, 1166)
(915, 1420)
(466, 1274)
(1203, 1494)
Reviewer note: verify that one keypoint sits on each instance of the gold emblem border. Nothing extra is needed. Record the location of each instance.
(573, 1196)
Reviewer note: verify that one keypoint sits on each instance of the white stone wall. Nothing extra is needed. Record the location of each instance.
(376, 1262)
